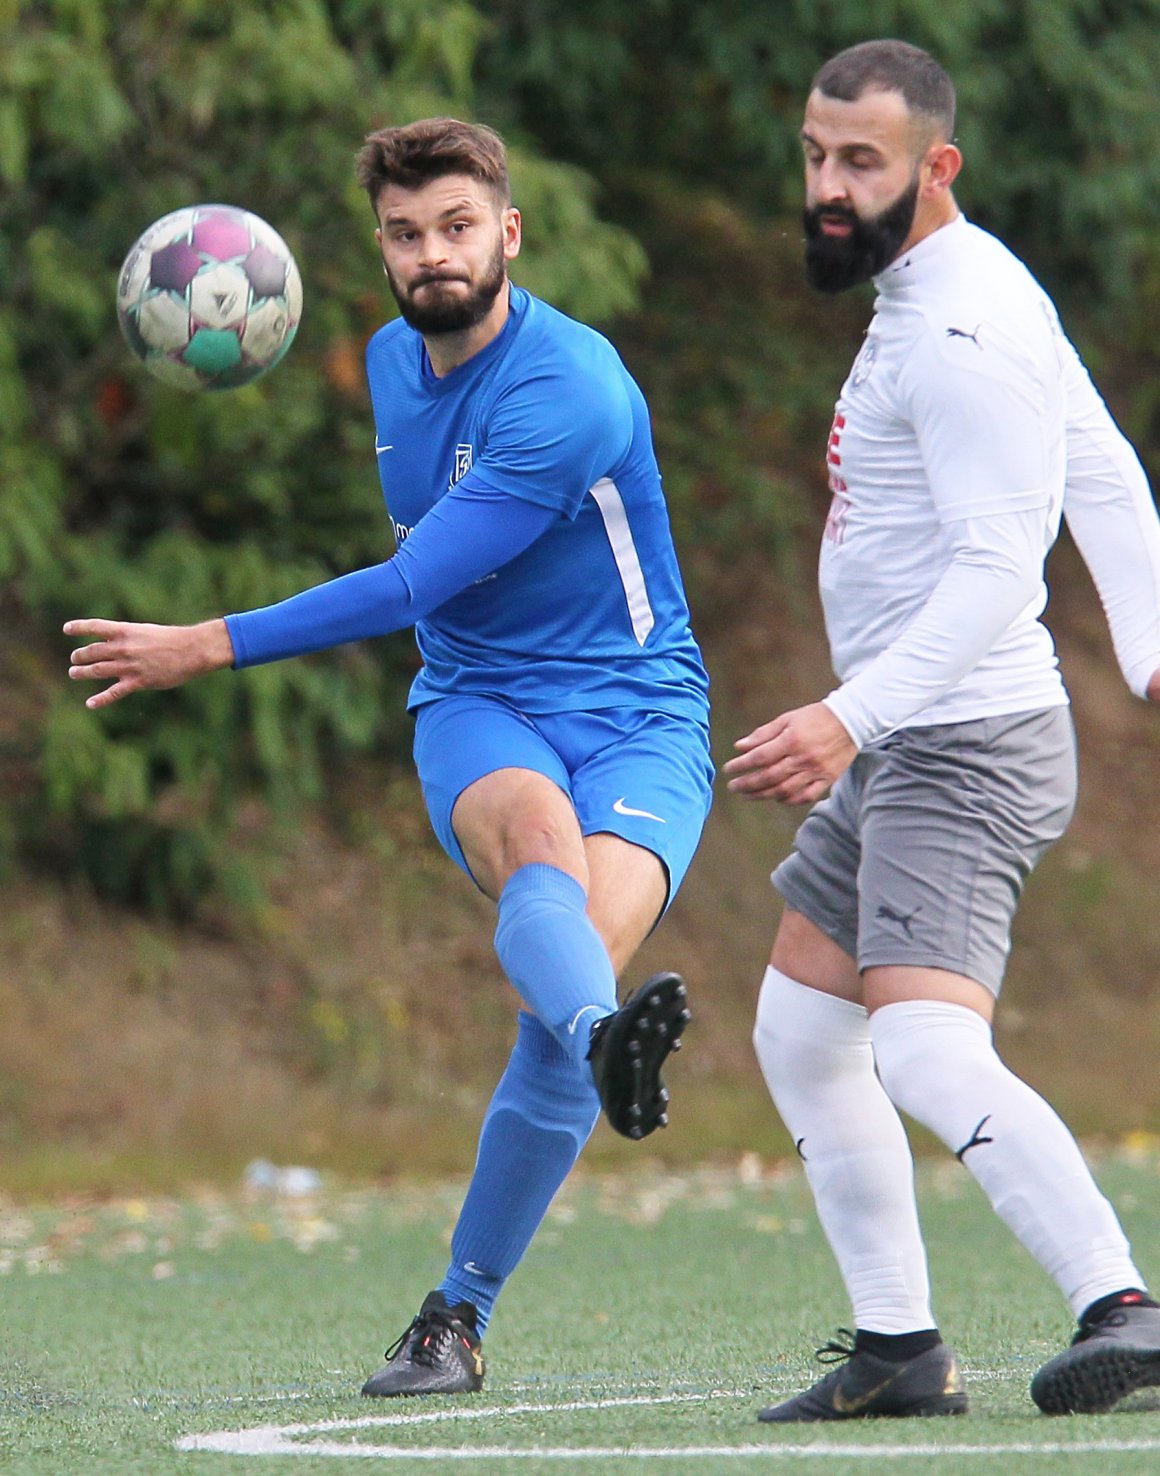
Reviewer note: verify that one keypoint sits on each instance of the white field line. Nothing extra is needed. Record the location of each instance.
(266, 1440)
(437, 1416)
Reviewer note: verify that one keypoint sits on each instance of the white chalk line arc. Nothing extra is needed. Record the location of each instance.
(303, 1439)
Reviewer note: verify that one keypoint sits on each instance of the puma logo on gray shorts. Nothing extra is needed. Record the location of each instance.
(920, 852)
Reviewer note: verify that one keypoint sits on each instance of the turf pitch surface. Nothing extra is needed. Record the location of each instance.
(230, 1333)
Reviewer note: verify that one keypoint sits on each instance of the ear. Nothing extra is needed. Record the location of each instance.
(512, 226)
(940, 169)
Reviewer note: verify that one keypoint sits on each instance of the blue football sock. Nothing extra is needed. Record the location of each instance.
(536, 1124)
(553, 955)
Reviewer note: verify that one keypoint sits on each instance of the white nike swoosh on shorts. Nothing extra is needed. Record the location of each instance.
(622, 809)
(380, 449)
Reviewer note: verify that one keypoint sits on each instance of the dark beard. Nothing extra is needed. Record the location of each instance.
(445, 314)
(834, 263)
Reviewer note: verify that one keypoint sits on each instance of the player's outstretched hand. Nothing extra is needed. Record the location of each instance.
(140, 658)
(794, 759)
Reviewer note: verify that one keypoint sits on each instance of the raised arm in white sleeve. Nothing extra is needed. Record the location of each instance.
(1109, 510)
(995, 574)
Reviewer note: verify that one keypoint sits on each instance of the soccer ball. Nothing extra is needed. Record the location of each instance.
(209, 297)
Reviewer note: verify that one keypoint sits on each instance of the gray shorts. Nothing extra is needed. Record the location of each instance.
(919, 853)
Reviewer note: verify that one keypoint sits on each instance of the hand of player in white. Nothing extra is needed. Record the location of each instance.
(139, 658)
(794, 759)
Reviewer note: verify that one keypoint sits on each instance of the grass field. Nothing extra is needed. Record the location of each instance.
(652, 1318)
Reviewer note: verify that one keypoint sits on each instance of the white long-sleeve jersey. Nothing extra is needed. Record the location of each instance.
(967, 425)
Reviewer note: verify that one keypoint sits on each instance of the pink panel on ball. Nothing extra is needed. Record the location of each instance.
(222, 234)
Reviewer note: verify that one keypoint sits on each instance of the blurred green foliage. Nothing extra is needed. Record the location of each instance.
(661, 135)
(1057, 114)
(124, 498)
(684, 109)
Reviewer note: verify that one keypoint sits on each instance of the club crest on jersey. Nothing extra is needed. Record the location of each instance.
(463, 459)
(863, 364)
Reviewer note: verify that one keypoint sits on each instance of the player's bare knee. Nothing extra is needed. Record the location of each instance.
(533, 838)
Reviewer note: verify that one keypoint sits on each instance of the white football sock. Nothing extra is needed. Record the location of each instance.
(938, 1064)
(816, 1056)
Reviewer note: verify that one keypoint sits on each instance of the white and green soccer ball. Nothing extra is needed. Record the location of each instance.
(209, 297)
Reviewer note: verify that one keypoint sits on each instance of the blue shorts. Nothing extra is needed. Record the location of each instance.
(644, 776)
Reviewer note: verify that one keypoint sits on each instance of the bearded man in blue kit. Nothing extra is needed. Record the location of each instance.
(561, 719)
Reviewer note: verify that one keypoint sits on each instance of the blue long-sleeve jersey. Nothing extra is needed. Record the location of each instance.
(535, 557)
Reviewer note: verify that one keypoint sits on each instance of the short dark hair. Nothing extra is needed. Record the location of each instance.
(415, 153)
(892, 66)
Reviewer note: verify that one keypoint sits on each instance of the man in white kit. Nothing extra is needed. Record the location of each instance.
(967, 425)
